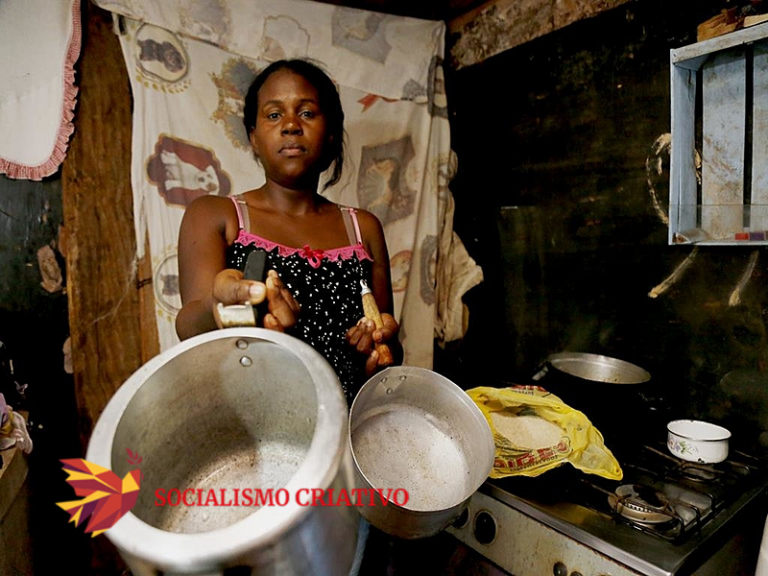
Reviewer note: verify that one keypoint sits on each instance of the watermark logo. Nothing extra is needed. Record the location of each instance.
(105, 497)
(280, 497)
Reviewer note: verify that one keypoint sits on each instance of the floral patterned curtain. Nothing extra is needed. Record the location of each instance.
(190, 63)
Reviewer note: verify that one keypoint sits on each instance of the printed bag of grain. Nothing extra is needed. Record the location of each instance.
(536, 431)
(526, 432)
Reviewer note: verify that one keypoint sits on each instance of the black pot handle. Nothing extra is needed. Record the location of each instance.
(543, 369)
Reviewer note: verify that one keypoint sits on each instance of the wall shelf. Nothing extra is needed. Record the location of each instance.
(719, 94)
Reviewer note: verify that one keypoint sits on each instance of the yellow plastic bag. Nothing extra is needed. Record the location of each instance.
(580, 443)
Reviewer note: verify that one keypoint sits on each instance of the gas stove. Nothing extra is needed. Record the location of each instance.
(665, 517)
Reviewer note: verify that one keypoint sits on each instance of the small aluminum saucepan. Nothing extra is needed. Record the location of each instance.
(697, 441)
(413, 431)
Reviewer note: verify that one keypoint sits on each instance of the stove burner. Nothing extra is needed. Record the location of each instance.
(698, 473)
(642, 504)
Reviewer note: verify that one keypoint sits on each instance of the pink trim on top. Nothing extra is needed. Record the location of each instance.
(240, 223)
(313, 256)
(50, 166)
(358, 234)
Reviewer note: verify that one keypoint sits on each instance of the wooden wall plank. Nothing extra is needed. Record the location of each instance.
(724, 117)
(759, 197)
(683, 192)
(150, 339)
(112, 323)
(104, 303)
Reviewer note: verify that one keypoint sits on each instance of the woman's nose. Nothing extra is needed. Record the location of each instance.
(291, 126)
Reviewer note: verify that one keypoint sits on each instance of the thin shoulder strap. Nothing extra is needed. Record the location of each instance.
(352, 225)
(243, 219)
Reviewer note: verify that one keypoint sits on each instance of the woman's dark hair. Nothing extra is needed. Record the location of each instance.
(329, 102)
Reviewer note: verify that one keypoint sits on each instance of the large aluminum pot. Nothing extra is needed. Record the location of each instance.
(594, 368)
(239, 408)
(413, 430)
(608, 390)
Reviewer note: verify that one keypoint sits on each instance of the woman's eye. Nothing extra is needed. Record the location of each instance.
(273, 115)
(308, 114)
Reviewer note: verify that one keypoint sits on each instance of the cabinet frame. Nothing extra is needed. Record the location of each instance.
(719, 88)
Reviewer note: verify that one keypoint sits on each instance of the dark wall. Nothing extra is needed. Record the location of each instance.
(559, 131)
(33, 329)
(33, 320)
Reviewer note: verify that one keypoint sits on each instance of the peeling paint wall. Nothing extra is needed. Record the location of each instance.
(503, 24)
(34, 330)
(30, 216)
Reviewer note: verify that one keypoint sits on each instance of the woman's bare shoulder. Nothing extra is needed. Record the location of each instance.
(373, 235)
(368, 222)
(214, 207)
(212, 203)
(211, 213)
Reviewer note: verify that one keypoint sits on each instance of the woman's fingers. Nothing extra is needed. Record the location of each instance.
(230, 288)
(387, 331)
(365, 329)
(360, 336)
(366, 339)
(271, 323)
(372, 364)
(257, 291)
(282, 305)
(288, 297)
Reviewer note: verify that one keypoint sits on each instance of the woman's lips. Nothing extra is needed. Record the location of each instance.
(292, 150)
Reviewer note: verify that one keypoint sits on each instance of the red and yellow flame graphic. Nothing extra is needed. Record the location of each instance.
(106, 498)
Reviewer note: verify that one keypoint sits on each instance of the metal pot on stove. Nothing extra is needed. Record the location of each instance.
(239, 408)
(606, 389)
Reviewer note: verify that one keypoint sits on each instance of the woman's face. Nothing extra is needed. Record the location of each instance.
(290, 132)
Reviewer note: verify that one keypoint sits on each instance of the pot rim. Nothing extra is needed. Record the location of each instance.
(639, 375)
(723, 433)
(463, 397)
(183, 552)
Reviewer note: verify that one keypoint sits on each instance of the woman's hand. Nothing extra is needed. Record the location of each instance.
(283, 308)
(364, 336)
(230, 288)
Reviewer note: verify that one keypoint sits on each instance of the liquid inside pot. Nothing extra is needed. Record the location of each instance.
(404, 447)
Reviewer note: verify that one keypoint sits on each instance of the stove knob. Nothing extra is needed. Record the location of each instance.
(560, 569)
(575, 573)
(461, 521)
(484, 527)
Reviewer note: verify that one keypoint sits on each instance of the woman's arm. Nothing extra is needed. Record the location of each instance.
(201, 256)
(365, 335)
(209, 226)
(375, 243)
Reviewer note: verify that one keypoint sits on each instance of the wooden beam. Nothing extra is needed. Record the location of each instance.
(112, 322)
(499, 25)
(105, 312)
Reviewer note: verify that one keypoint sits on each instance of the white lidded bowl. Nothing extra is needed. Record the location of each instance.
(697, 441)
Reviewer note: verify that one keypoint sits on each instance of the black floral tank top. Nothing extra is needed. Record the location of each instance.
(326, 284)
